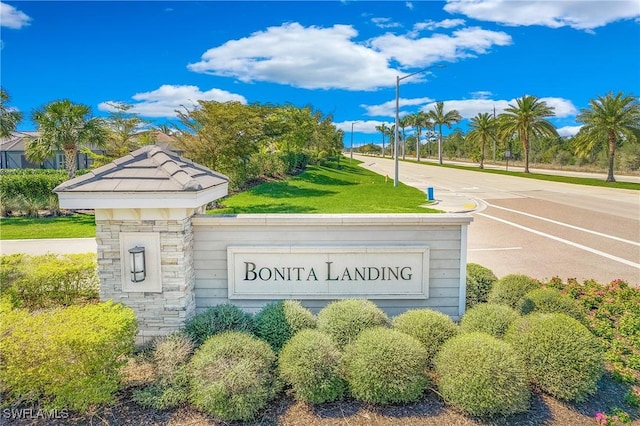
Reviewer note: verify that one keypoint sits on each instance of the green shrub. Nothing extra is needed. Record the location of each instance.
(218, 319)
(509, 289)
(169, 355)
(28, 190)
(385, 366)
(489, 318)
(310, 363)
(429, 327)
(343, 320)
(232, 376)
(479, 283)
(482, 375)
(65, 358)
(562, 357)
(280, 320)
(550, 300)
(49, 280)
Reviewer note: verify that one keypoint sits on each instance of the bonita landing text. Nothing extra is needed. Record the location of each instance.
(253, 272)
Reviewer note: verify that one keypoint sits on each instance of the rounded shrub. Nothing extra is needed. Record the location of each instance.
(232, 376)
(310, 364)
(551, 300)
(489, 318)
(479, 282)
(169, 353)
(562, 357)
(509, 289)
(278, 321)
(343, 320)
(429, 327)
(482, 375)
(218, 319)
(385, 366)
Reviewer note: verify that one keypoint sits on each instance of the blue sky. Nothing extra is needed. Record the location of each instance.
(340, 57)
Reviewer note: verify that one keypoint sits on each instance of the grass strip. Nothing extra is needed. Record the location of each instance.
(26, 228)
(328, 189)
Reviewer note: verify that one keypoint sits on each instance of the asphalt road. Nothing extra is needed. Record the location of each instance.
(542, 229)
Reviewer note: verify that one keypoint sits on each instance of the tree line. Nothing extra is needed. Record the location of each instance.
(247, 142)
(244, 142)
(612, 121)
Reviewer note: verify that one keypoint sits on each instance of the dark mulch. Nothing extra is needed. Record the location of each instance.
(431, 410)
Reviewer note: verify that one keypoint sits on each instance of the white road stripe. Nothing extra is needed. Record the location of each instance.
(496, 249)
(600, 234)
(562, 240)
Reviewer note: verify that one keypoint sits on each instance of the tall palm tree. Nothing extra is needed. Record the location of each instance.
(420, 120)
(68, 127)
(483, 127)
(526, 119)
(610, 119)
(9, 117)
(441, 118)
(404, 123)
(382, 129)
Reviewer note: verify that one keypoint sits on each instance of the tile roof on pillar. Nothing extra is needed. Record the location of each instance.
(148, 169)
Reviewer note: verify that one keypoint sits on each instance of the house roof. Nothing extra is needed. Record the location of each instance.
(16, 141)
(147, 177)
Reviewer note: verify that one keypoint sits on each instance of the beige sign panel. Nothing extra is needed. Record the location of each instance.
(328, 272)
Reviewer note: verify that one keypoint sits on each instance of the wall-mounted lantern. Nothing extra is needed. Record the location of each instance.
(138, 272)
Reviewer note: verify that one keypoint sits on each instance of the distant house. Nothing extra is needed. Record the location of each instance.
(12, 152)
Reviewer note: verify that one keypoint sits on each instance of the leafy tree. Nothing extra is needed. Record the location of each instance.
(441, 118)
(9, 117)
(610, 119)
(68, 127)
(125, 134)
(526, 119)
(382, 129)
(483, 127)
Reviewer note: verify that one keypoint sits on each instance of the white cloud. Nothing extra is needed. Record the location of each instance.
(561, 107)
(432, 25)
(164, 101)
(360, 126)
(388, 109)
(421, 52)
(328, 58)
(11, 17)
(581, 14)
(568, 131)
(409, 5)
(385, 23)
(468, 108)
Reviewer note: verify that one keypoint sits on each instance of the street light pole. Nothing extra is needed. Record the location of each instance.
(395, 142)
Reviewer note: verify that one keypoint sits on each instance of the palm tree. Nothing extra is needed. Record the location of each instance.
(383, 129)
(65, 126)
(610, 119)
(404, 123)
(483, 127)
(420, 120)
(9, 117)
(526, 119)
(441, 118)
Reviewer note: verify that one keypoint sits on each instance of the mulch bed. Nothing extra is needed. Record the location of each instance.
(431, 410)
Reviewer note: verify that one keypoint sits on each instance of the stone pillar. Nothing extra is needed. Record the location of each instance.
(165, 308)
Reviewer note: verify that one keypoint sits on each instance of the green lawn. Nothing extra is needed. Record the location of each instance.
(24, 228)
(350, 189)
(541, 176)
